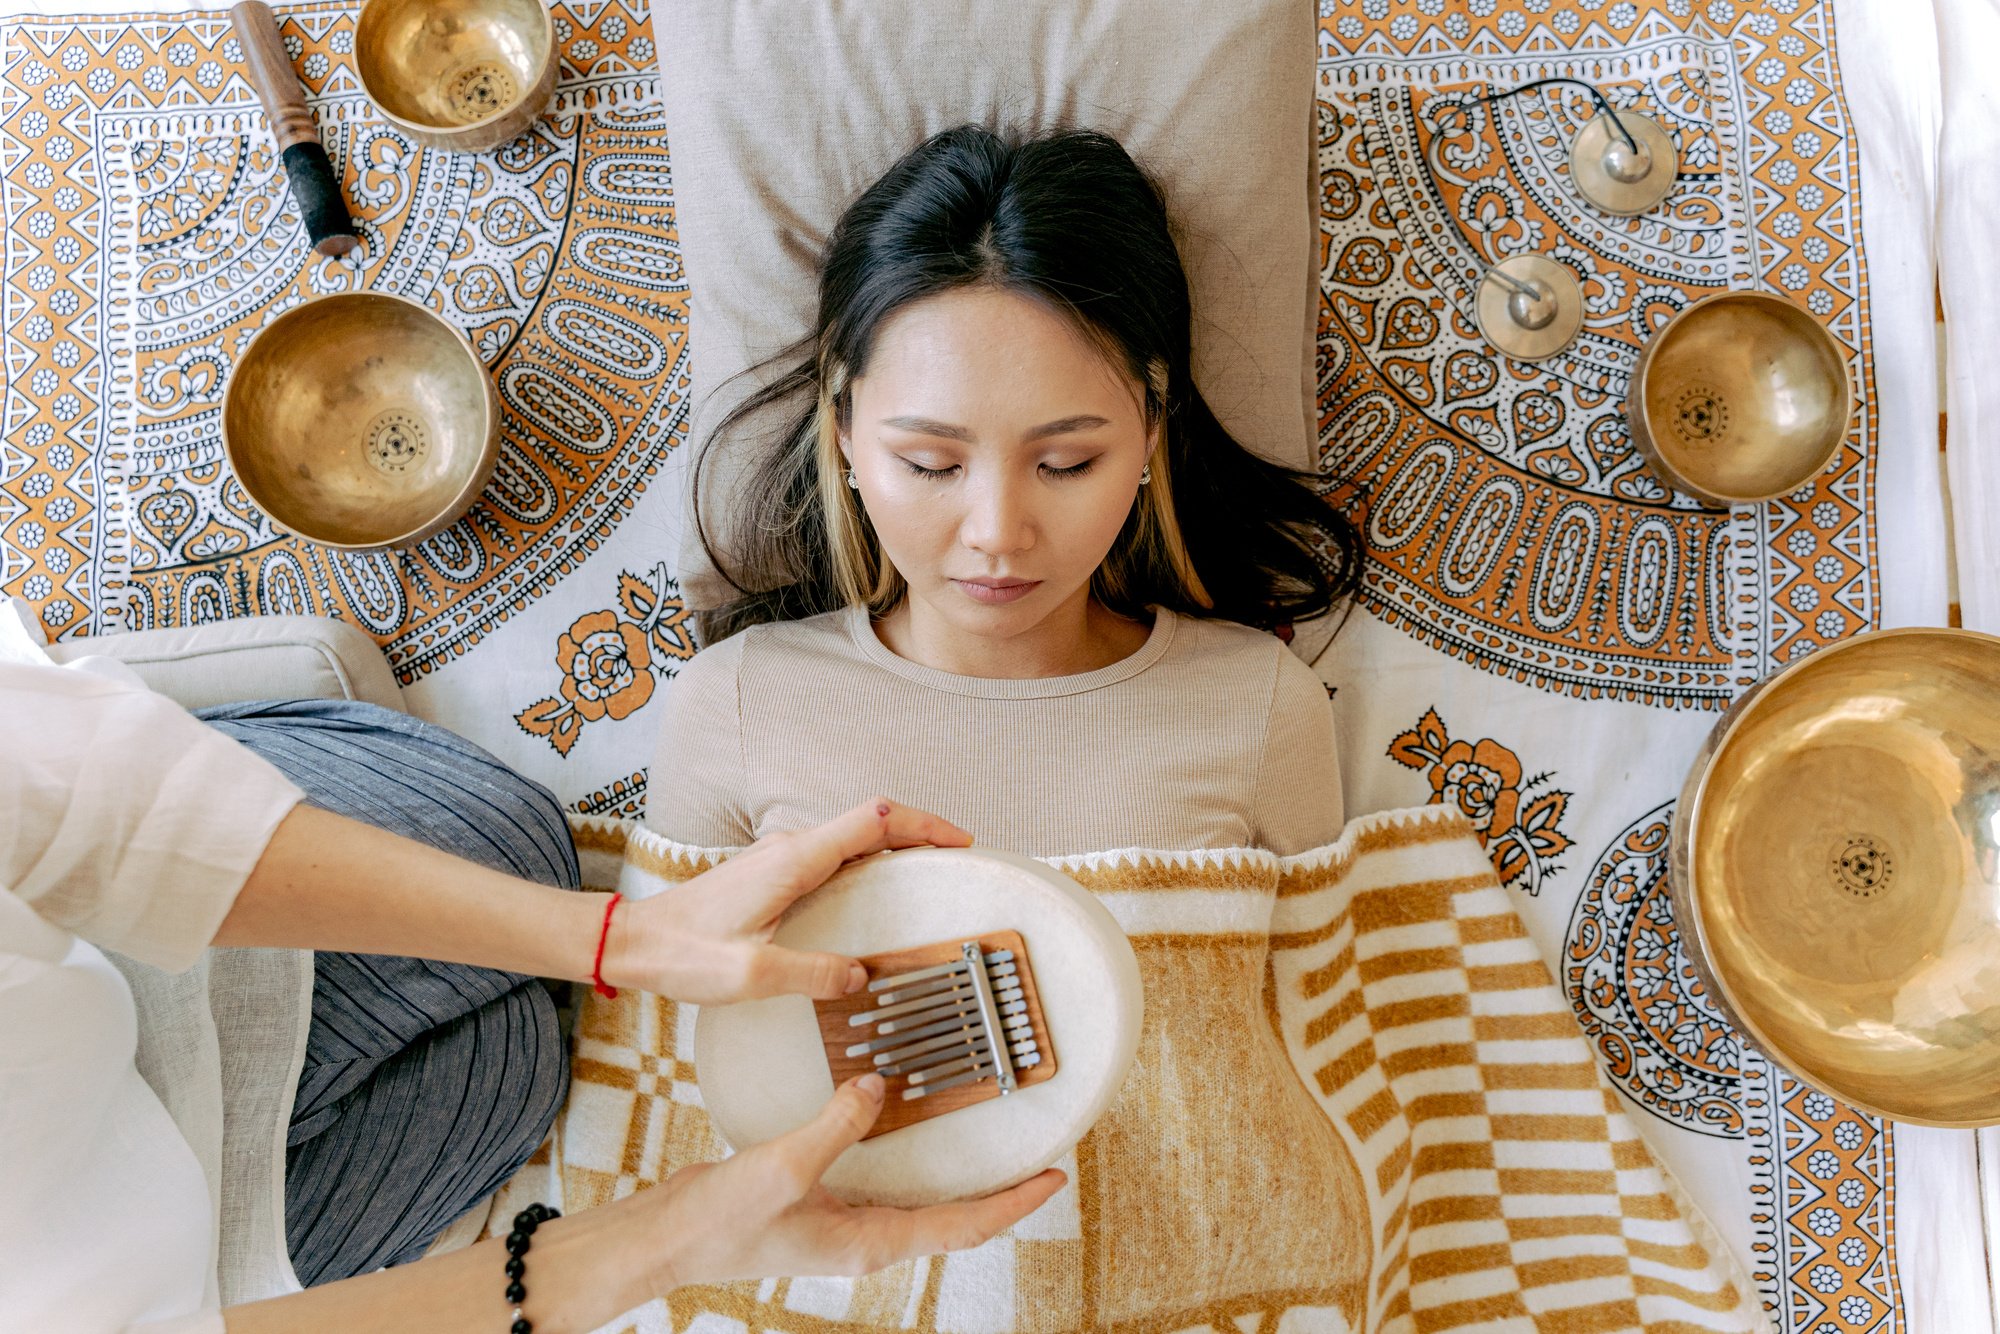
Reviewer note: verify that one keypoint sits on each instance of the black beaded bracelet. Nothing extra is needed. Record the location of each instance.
(525, 1224)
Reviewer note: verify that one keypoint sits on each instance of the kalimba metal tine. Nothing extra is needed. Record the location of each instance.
(982, 1061)
(919, 975)
(916, 1091)
(882, 1058)
(930, 988)
(951, 1052)
(936, 970)
(955, 1052)
(959, 1024)
(942, 997)
(968, 1004)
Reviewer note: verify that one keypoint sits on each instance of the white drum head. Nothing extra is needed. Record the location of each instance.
(763, 1072)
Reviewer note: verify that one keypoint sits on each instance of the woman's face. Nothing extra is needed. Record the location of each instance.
(998, 453)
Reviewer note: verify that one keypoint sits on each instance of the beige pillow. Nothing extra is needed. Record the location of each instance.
(781, 112)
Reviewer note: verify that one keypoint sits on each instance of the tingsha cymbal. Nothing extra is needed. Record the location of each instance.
(1529, 307)
(1618, 177)
(1836, 872)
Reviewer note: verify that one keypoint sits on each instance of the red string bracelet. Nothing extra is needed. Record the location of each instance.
(597, 967)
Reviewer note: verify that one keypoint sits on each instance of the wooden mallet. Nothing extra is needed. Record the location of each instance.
(314, 184)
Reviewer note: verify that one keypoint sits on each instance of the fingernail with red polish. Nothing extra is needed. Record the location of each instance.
(882, 809)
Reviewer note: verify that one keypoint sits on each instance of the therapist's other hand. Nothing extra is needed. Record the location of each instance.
(708, 941)
(764, 1211)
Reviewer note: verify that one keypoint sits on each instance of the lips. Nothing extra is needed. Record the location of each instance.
(994, 591)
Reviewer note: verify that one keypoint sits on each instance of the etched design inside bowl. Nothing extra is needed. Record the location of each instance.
(481, 89)
(397, 440)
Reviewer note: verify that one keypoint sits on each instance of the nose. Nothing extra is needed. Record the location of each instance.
(999, 518)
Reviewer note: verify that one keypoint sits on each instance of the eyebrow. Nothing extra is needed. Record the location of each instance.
(1062, 426)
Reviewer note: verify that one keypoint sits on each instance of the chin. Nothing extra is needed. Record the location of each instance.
(1002, 622)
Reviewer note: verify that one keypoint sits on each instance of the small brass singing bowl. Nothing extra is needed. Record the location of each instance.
(1835, 872)
(1739, 398)
(361, 420)
(461, 75)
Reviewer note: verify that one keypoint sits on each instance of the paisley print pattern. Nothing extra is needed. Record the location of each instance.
(1462, 464)
(1632, 988)
(166, 238)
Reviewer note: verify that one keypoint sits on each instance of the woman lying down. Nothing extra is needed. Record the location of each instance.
(1003, 561)
(1023, 573)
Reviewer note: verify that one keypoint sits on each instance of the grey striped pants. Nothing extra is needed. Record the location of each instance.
(426, 1085)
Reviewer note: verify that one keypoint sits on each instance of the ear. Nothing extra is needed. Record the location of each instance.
(846, 443)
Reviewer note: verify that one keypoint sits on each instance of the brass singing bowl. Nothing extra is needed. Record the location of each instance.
(361, 420)
(1836, 872)
(1739, 398)
(462, 75)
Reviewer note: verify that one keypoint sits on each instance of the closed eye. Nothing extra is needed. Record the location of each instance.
(936, 474)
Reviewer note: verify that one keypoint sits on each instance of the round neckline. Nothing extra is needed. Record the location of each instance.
(862, 631)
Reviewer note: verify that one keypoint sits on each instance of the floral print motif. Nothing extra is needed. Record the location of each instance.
(1483, 779)
(610, 658)
(606, 666)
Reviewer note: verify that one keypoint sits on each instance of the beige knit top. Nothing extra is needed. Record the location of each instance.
(1211, 735)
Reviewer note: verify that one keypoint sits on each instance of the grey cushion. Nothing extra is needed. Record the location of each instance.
(252, 657)
(782, 112)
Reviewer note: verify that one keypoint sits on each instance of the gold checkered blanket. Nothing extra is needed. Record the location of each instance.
(1359, 1103)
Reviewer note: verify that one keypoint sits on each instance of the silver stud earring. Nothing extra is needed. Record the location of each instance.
(1145, 474)
(851, 483)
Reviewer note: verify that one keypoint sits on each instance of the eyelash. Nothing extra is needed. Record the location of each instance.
(1076, 470)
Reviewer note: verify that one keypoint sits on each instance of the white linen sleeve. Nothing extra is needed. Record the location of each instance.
(122, 817)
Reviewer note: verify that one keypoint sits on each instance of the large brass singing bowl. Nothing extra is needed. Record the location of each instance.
(1739, 398)
(463, 75)
(1836, 872)
(361, 420)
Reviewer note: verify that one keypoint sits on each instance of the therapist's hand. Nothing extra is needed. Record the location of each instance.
(759, 1214)
(763, 1211)
(708, 941)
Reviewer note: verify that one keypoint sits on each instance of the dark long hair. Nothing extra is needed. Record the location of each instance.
(1070, 220)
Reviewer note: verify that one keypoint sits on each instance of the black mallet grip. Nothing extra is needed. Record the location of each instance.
(321, 202)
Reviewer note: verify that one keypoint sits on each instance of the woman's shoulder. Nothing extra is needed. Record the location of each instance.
(1248, 654)
(773, 643)
(1209, 639)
